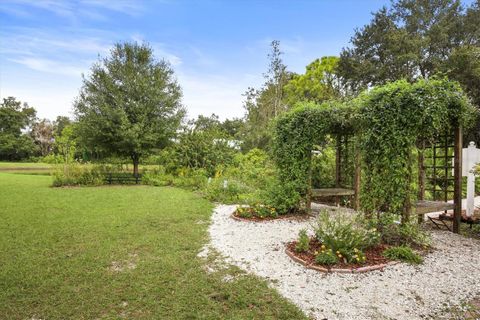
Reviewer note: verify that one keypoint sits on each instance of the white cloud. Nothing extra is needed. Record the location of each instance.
(130, 7)
(72, 10)
(159, 50)
(50, 66)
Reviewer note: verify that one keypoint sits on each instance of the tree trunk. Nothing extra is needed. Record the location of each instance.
(135, 159)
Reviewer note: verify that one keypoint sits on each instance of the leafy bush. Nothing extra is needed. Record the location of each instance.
(303, 243)
(244, 212)
(184, 178)
(52, 159)
(345, 234)
(230, 191)
(394, 233)
(326, 257)
(281, 196)
(403, 253)
(75, 174)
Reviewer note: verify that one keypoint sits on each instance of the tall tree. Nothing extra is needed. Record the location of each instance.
(15, 120)
(319, 83)
(276, 78)
(60, 123)
(411, 40)
(264, 104)
(416, 39)
(130, 104)
(42, 134)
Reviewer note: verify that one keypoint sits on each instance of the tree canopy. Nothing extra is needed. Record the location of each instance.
(411, 40)
(130, 104)
(319, 83)
(15, 119)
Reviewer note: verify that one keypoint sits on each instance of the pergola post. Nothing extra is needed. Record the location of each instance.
(356, 181)
(457, 173)
(421, 175)
(338, 166)
(308, 199)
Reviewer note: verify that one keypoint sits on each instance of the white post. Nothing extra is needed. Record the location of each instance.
(472, 156)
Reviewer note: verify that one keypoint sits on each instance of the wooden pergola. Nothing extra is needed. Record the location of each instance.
(446, 155)
(340, 189)
(451, 158)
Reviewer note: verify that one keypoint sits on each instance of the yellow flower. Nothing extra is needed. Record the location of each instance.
(323, 246)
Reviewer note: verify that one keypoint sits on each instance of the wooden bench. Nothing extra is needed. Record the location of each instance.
(425, 206)
(332, 192)
(123, 178)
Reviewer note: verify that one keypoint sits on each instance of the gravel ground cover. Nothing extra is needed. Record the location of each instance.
(448, 276)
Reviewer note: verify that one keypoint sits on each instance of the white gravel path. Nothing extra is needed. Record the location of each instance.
(448, 276)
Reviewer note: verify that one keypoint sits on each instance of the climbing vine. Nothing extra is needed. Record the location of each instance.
(304, 129)
(393, 118)
(387, 122)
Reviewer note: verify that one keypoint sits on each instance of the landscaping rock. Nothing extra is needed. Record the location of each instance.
(448, 276)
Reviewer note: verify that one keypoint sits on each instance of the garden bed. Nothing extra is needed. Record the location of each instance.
(261, 213)
(400, 291)
(291, 216)
(374, 259)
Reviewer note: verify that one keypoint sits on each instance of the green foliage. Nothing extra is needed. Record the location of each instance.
(393, 119)
(344, 234)
(244, 212)
(193, 179)
(403, 253)
(282, 196)
(409, 40)
(15, 117)
(53, 159)
(75, 174)
(130, 104)
(303, 243)
(394, 233)
(226, 190)
(326, 257)
(203, 144)
(304, 129)
(319, 83)
(265, 104)
(65, 144)
(323, 165)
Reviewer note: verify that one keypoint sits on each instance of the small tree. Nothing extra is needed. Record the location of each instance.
(130, 104)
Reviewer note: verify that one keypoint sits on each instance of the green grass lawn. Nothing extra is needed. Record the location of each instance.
(116, 252)
(26, 167)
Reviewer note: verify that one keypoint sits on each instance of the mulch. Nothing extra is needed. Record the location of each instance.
(373, 256)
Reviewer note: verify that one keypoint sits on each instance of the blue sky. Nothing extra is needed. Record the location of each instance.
(217, 48)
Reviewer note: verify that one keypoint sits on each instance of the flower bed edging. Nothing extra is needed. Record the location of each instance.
(288, 218)
(338, 270)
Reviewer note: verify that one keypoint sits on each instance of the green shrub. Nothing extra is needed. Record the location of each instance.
(53, 159)
(303, 243)
(403, 253)
(281, 196)
(326, 257)
(75, 174)
(394, 233)
(229, 192)
(345, 234)
(244, 212)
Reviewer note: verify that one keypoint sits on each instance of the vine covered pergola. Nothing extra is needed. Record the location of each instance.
(391, 128)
